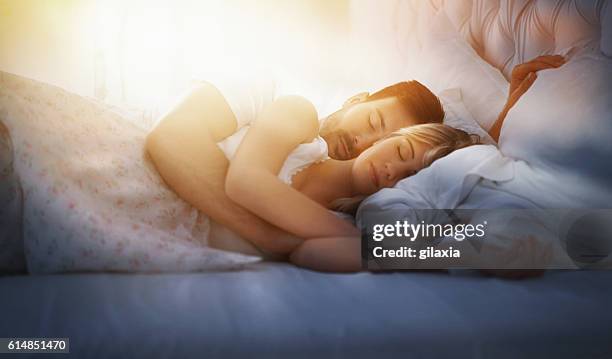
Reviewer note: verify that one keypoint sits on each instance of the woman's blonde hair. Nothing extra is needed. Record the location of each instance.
(443, 140)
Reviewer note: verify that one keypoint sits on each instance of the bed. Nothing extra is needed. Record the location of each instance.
(277, 311)
(241, 307)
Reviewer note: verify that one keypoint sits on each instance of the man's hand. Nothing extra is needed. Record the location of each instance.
(183, 148)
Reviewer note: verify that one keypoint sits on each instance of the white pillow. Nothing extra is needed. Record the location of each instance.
(457, 116)
(448, 61)
(565, 119)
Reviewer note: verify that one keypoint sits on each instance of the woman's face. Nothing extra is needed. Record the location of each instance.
(387, 162)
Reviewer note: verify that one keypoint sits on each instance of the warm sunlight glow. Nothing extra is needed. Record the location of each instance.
(150, 50)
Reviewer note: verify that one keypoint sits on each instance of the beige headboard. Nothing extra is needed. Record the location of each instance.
(503, 32)
(508, 32)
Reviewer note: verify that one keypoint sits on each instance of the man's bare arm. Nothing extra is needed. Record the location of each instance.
(252, 179)
(184, 150)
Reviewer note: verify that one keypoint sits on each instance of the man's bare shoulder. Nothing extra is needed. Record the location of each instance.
(291, 116)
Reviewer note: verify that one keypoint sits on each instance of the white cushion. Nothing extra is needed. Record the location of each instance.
(563, 121)
(448, 61)
(456, 115)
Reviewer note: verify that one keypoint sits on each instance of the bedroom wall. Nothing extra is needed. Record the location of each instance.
(55, 40)
(49, 41)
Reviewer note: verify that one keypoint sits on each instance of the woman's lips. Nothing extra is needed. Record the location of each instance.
(374, 175)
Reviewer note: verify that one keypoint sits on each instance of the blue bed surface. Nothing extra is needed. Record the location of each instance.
(276, 310)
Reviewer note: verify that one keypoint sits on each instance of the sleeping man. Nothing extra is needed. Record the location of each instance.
(262, 194)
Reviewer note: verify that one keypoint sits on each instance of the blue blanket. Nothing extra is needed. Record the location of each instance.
(276, 310)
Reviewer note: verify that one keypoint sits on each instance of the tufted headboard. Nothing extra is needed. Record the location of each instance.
(507, 33)
(503, 32)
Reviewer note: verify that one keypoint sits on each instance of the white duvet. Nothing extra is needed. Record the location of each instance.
(92, 199)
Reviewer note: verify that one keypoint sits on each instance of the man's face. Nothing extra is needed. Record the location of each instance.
(355, 127)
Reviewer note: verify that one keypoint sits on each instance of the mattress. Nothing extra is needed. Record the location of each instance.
(277, 310)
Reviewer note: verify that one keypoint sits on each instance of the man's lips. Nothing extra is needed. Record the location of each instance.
(374, 175)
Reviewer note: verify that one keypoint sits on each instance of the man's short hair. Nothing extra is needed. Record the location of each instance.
(416, 98)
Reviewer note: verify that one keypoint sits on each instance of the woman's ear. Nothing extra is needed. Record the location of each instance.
(360, 97)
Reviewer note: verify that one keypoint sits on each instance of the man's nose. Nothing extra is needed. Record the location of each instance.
(361, 142)
(357, 141)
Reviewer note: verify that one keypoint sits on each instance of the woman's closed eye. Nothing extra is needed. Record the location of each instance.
(405, 150)
(399, 153)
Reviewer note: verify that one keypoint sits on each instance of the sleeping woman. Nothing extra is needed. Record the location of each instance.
(341, 185)
(279, 173)
(271, 180)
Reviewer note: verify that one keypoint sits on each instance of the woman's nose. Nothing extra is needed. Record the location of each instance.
(390, 171)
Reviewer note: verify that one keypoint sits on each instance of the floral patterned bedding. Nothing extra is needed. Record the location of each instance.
(12, 259)
(92, 199)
